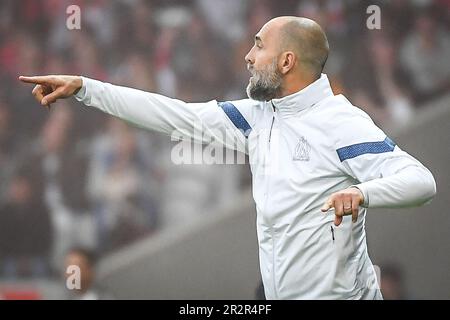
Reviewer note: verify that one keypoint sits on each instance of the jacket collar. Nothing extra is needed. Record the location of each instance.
(307, 97)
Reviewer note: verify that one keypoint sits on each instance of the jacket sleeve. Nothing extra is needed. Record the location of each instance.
(209, 122)
(387, 176)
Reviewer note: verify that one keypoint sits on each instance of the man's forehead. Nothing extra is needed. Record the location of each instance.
(268, 30)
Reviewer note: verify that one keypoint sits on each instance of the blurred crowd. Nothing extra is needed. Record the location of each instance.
(72, 176)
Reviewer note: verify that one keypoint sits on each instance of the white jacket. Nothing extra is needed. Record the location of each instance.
(302, 148)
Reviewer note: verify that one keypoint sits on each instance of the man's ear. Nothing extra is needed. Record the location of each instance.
(287, 61)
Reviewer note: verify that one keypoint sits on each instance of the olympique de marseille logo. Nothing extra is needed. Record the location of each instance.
(302, 150)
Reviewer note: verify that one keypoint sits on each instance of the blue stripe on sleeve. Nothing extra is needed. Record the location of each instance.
(236, 117)
(355, 150)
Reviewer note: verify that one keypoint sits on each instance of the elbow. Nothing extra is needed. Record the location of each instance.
(429, 185)
(433, 188)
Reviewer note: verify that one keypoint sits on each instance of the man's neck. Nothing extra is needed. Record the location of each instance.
(293, 83)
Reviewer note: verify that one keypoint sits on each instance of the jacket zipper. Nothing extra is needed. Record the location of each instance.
(271, 231)
(271, 126)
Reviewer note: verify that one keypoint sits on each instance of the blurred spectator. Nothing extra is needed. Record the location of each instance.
(397, 104)
(225, 18)
(63, 162)
(424, 56)
(165, 75)
(85, 260)
(135, 71)
(86, 56)
(392, 284)
(98, 16)
(398, 18)
(195, 51)
(26, 231)
(378, 91)
(120, 185)
(6, 146)
(20, 54)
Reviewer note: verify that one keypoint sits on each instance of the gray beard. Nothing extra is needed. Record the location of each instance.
(265, 84)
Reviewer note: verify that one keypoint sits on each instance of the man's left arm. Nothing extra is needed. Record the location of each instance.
(388, 177)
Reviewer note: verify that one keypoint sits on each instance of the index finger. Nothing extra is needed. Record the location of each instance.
(36, 79)
(327, 205)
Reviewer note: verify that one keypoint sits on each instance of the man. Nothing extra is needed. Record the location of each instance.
(306, 147)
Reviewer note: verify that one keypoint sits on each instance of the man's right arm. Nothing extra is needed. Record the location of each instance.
(201, 122)
(144, 109)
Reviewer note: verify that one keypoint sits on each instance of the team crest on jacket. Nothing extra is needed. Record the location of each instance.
(302, 150)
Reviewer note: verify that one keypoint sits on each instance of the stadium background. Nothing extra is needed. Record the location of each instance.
(75, 177)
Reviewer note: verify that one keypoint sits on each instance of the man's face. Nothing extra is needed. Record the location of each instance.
(262, 62)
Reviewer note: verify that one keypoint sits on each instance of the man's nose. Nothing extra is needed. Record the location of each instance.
(249, 57)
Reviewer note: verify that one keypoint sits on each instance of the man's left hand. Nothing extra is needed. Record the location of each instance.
(345, 202)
